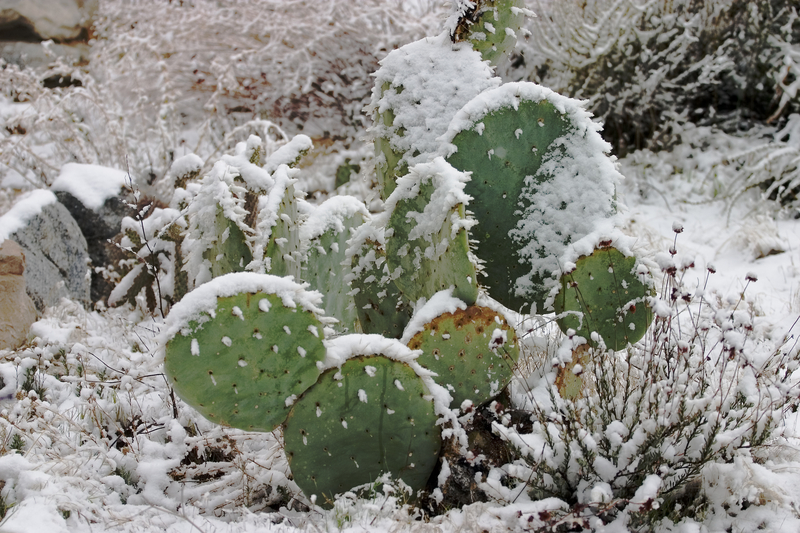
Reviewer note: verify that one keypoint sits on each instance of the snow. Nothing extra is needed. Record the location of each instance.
(91, 184)
(428, 81)
(27, 206)
(440, 303)
(330, 216)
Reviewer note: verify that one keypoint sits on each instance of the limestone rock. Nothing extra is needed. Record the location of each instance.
(17, 311)
(56, 253)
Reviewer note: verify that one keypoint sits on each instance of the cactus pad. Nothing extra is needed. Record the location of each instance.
(418, 88)
(379, 303)
(473, 351)
(604, 294)
(371, 417)
(279, 226)
(238, 364)
(427, 249)
(325, 234)
(492, 27)
(540, 180)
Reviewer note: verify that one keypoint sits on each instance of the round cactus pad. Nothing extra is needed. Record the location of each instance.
(540, 181)
(371, 417)
(241, 365)
(473, 351)
(605, 295)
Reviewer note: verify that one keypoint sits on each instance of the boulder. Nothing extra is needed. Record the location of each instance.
(17, 311)
(98, 199)
(40, 20)
(57, 258)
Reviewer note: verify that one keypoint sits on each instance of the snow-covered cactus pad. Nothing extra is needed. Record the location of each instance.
(426, 244)
(243, 346)
(473, 350)
(279, 249)
(380, 305)
(217, 234)
(607, 294)
(326, 267)
(491, 26)
(373, 415)
(418, 89)
(540, 180)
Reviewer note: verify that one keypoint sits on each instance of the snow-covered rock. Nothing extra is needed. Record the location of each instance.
(98, 200)
(55, 250)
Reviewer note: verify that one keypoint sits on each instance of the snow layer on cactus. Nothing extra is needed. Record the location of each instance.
(289, 154)
(563, 199)
(202, 301)
(372, 416)
(161, 231)
(325, 233)
(216, 238)
(418, 88)
(243, 361)
(427, 248)
(256, 178)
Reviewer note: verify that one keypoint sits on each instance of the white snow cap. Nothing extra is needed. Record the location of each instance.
(28, 206)
(437, 78)
(440, 303)
(92, 185)
(203, 299)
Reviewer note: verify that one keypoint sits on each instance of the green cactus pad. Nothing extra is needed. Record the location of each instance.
(604, 294)
(540, 180)
(371, 417)
(242, 363)
(325, 234)
(427, 250)
(279, 226)
(228, 253)
(473, 351)
(492, 27)
(217, 236)
(380, 305)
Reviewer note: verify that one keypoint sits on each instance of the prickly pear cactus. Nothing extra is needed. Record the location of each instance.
(605, 294)
(540, 181)
(279, 246)
(410, 115)
(427, 250)
(491, 26)
(511, 182)
(380, 305)
(217, 234)
(326, 267)
(243, 346)
(372, 416)
(472, 349)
